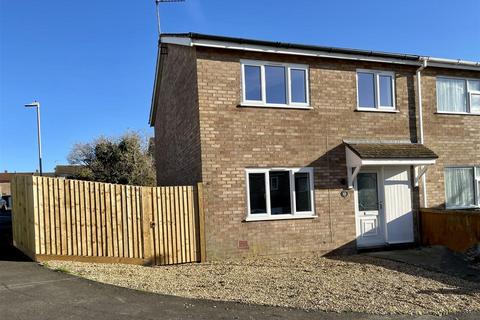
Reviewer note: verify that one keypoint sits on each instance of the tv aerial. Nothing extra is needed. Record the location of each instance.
(157, 4)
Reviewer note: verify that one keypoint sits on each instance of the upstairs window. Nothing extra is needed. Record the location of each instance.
(253, 77)
(456, 95)
(375, 90)
(462, 187)
(274, 84)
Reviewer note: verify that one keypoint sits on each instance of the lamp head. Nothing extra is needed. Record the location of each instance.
(33, 104)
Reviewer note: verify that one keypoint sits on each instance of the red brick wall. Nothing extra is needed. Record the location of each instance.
(177, 131)
(455, 138)
(234, 138)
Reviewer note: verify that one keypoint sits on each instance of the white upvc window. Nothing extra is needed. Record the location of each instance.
(279, 193)
(458, 95)
(273, 84)
(375, 90)
(462, 187)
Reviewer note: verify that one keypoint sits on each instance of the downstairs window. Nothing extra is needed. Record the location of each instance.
(281, 193)
(462, 187)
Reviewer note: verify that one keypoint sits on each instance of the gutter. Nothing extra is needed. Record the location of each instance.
(297, 50)
(222, 42)
(455, 62)
(420, 123)
(193, 38)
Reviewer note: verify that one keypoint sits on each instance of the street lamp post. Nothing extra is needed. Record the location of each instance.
(36, 104)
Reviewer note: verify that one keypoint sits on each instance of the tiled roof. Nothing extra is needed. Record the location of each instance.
(392, 151)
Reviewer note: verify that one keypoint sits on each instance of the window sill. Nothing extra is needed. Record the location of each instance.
(377, 110)
(457, 113)
(273, 106)
(279, 217)
(463, 208)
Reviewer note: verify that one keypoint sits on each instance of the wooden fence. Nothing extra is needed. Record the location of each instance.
(458, 230)
(90, 221)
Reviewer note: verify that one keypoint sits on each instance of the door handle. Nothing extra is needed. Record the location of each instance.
(380, 204)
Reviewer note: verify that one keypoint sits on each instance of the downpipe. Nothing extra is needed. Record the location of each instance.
(420, 121)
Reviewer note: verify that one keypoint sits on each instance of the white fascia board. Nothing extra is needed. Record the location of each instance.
(353, 160)
(298, 52)
(154, 94)
(185, 41)
(393, 162)
(453, 61)
(433, 62)
(181, 41)
(454, 66)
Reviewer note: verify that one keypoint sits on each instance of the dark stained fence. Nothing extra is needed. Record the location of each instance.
(458, 230)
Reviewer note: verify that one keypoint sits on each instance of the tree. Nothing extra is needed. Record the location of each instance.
(125, 160)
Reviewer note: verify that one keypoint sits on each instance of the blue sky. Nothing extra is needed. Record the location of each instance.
(91, 63)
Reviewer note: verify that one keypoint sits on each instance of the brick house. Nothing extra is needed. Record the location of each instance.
(305, 148)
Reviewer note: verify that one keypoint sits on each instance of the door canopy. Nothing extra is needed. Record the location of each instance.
(387, 154)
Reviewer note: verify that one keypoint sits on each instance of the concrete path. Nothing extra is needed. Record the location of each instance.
(435, 258)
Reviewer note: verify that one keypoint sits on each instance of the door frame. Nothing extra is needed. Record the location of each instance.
(381, 211)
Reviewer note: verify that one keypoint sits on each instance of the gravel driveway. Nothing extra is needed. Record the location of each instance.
(354, 283)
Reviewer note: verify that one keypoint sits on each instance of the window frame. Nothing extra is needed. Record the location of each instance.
(468, 95)
(469, 103)
(288, 89)
(476, 186)
(268, 215)
(376, 76)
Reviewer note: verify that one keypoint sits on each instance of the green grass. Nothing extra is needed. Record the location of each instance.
(59, 269)
(62, 270)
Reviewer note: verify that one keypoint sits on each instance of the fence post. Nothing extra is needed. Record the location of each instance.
(147, 212)
(31, 212)
(15, 208)
(201, 223)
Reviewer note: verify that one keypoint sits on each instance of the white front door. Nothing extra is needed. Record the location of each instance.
(383, 206)
(369, 208)
(398, 204)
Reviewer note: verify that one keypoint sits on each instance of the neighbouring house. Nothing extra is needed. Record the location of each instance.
(305, 148)
(60, 171)
(67, 170)
(5, 184)
(5, 179)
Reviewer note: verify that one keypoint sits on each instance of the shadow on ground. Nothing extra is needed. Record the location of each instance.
(7, 251)
(437, 263)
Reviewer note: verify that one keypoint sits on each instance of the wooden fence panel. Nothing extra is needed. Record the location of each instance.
(174, 229)
(23, 221)
(458, 230)
(90, 221)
